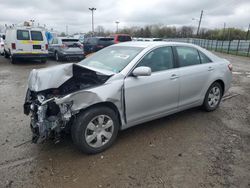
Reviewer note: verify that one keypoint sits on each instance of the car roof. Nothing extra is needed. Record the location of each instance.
(146, 44)
(71, 38)
(121, 35)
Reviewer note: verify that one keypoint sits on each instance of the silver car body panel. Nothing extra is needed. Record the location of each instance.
(130, 94)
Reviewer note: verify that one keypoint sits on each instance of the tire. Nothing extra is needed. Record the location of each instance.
(12, 60)
(43, 61)
(88, 125)
(57, 57)
(6, 54)
(213, 97)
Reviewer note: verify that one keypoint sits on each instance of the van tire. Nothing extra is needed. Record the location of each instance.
(43, 61)
(12, 60)
(6, 55)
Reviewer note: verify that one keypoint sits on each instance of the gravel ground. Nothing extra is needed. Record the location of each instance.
(189, 149)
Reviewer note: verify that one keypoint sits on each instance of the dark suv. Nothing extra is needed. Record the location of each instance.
(93, 44)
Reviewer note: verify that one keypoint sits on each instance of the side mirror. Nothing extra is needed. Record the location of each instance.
(142, 71)
(3, 37)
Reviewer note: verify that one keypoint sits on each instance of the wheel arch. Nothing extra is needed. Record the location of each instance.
(106, 104)
(221, 82)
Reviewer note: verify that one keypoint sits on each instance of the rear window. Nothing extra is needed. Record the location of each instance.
(105, 41)
(187, 56)
(23, 35)
(70, 40)
(36, 35)
(123, 38)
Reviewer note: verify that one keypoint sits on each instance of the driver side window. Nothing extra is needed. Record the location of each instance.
(158, 60)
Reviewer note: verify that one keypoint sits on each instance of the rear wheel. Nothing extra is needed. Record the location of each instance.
(12, 60)
(6, 55)
(95, 130)
(43, 60)
(213, 97)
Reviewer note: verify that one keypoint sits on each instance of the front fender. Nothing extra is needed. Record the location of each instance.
(105, 93)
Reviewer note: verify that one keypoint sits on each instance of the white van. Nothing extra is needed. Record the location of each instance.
(25, 42)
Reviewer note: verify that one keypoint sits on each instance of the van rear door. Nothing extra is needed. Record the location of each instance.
(30, 42)
(38, 41)
(23, 43)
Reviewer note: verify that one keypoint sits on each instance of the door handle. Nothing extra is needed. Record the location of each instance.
(210, 68)
(173, 77)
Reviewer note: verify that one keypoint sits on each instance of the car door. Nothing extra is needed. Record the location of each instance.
(52, 46)
(86, 45)
(194, 75)
(149, 97)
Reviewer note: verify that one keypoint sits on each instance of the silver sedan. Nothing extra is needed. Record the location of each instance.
(121, 86)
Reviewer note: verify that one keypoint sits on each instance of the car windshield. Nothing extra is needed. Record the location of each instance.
(71, 42)
(114, 58)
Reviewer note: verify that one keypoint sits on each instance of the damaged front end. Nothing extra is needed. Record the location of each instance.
(47, 118)
(47, 87)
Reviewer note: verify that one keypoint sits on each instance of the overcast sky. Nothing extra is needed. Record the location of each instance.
(75, 13)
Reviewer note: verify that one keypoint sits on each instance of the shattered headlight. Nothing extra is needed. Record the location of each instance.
(40, 98)
(65, 109)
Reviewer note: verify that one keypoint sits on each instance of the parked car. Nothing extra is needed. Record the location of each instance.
(62, 48)
(121, 86)
(1, 46)
(25, 42)
(121, 38)
(94, 44)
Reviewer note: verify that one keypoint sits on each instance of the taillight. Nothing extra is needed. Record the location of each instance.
(64, 46)
(100, 46)
(230, 67)
(46, 46)
(13, 46)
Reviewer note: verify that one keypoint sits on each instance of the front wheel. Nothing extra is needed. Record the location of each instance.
(95, 130)
(213, 97)
(57, 57)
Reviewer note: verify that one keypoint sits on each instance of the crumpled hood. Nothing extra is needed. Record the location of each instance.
(54, 77)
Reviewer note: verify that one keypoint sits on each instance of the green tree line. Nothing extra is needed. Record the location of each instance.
(163, 31)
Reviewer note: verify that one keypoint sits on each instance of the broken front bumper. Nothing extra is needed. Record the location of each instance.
(48, 119)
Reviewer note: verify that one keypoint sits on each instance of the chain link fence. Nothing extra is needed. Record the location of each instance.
(235, 47)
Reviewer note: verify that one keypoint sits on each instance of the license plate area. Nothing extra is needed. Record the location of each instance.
(37, 47)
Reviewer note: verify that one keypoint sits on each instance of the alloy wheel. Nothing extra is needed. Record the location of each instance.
(99, 131)
(214, 96)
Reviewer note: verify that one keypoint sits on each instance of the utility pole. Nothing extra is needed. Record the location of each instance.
(198, 29)
(66, 30)
(223, 33)
(117, 22)
(92, 11)
(229, 33)
(248, 32)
